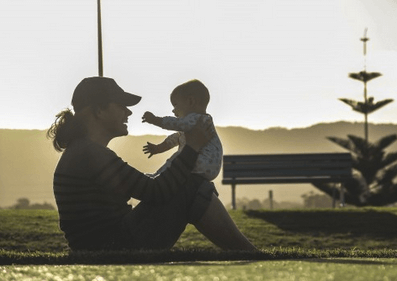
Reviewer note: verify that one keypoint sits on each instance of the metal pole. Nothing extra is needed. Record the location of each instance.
(100, 60)
(366, 116)
(364, 40)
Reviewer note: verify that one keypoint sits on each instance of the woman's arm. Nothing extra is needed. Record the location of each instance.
(119, 177)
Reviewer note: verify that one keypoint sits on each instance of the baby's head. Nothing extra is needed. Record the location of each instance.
(190, 97)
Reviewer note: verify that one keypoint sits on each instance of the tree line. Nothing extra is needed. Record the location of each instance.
(24, 204)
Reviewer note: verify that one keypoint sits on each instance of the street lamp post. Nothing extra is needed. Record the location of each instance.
(100, 59)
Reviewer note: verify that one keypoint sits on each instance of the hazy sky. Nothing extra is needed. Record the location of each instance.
(267, 63)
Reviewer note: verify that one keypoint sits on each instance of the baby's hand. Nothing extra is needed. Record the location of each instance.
(148, 117)
(150, 148)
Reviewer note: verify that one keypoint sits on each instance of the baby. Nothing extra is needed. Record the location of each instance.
(190, 102)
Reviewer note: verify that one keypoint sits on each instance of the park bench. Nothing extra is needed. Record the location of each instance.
(286, 168)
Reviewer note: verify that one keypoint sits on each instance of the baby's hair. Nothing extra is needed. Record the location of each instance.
(193, 88)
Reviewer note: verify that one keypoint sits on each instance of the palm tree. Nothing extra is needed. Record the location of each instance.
(368, 106)
(374, 181)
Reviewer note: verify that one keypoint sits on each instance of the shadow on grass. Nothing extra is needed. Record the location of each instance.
(368, 223)
(359, 261)
(206, 263)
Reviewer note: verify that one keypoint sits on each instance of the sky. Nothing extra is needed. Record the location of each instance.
(266, 63)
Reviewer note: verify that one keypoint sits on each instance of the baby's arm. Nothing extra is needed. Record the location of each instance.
(170, 142)
(184, 124)
(151, 119)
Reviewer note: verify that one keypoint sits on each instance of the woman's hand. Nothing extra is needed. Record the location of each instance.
(200, 134)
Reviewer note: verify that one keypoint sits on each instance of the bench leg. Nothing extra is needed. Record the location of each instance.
(233, 196)
(342, 195)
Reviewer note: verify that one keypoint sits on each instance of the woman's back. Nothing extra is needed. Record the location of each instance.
(88, 212)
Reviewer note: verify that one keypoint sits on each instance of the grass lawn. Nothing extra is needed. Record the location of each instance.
(33, 237)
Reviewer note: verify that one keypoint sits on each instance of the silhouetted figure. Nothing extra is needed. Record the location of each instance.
(190, 101)
(92, 185)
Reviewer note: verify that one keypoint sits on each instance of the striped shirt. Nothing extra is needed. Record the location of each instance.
(92, 186)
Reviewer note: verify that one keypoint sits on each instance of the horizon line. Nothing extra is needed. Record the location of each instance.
(238, 126)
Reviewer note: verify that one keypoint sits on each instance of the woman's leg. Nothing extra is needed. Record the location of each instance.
(154, 227)
(217, 225)
(158, 226)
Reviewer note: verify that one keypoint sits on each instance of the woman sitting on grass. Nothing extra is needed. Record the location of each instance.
(92, 185)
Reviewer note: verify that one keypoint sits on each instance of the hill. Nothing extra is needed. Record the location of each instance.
(27, 159)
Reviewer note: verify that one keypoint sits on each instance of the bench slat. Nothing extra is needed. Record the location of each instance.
(284, 173)
(285, 180)
(283, 165)
(289, 157)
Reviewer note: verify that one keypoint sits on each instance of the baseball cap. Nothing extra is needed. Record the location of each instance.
(101, 90)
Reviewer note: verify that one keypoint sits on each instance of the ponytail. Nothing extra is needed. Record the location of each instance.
(66, 128)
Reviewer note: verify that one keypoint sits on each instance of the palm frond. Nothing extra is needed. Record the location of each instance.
(368, 107)
(355, 105)
(360, 145)
(388, 175)
(361, 107)
(352, 103)
(364, 76)
(385, 142)
(371, 107)
(389, 159)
